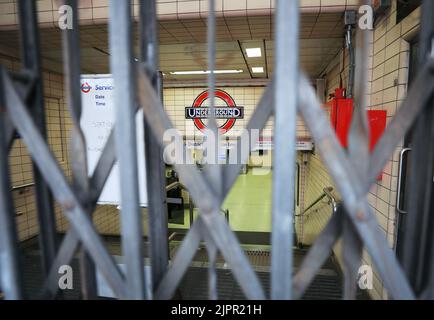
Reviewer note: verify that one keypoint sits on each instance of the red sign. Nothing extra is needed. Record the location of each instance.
(229, 115)
(85, 87)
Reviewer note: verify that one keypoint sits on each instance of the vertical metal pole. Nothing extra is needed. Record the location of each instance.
(72, 67)
(286, 99)
(213, 171)
(126, 145)
(156, 182)
(31, 62)
(10, 281)
(212, 272)
(351, 67)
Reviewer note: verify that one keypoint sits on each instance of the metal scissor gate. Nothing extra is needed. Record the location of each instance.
(22, 111)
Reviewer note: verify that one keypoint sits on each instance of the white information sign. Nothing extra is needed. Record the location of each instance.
(98, 117)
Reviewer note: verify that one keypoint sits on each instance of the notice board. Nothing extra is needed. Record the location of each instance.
(97, 120)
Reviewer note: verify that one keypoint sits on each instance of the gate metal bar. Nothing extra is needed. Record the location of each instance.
(202, 195)
(359, 154)
(318, 254)
(121, 62)
(31, 63)
(212, 171)
(345, 178)
(71, 54)
(58, 184)
(285, 110)
(157, 208)
(10, 282)
(418, 245)
(353, 173)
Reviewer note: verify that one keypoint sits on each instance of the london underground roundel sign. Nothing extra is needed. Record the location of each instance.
(229, 113)
(85, 87)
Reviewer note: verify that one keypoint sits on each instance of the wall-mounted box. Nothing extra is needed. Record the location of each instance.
(341, 112)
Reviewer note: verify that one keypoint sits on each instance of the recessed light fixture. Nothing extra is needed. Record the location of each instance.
(195, 72)
(253, 52)
(227, 71)
(258, 69)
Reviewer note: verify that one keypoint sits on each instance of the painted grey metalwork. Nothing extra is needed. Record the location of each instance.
(285, 111)
(353, 172)
(157, 208)
(32, 64)
(121, 62)
(418, 252)
(212, 171)
(10, 281)
(78, 145)
(59, 186)
(202, 195)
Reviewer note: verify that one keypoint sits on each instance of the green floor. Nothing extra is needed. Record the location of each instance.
(249, 204)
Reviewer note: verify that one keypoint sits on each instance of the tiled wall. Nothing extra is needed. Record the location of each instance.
(21, 169)
(106, 218)
(388, 85)
(176, 99)
(387, 88)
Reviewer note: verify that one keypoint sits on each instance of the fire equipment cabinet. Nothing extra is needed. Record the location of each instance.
(341, 110)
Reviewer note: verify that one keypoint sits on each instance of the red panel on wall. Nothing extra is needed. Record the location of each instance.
(377, 124)
(341, 110)
(343, 119)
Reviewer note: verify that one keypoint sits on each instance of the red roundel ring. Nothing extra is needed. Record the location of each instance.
(85, 87)
(218, 94)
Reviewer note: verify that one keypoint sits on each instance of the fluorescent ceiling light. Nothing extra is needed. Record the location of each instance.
(188, 72)
(193, 72)
(258, 69)
(253, 52)
(227, 71)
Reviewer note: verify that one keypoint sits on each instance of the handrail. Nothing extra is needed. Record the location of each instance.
(174, 185)
(331, 198)
(327, 192)
(27, 185)
(171, 237)
(177, 184)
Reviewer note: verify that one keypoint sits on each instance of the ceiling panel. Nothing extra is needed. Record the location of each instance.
(183, 45)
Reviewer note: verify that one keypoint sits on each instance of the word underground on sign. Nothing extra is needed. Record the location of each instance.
(219, 113)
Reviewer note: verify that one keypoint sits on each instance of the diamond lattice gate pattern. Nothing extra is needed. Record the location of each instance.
(288, 93)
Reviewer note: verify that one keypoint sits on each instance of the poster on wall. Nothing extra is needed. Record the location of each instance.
(98, 118)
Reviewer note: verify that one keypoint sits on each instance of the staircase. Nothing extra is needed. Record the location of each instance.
(327, 284)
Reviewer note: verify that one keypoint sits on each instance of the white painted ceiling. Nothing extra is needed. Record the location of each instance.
(183, 45)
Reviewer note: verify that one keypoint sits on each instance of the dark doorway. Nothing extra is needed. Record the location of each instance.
(415, 196)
